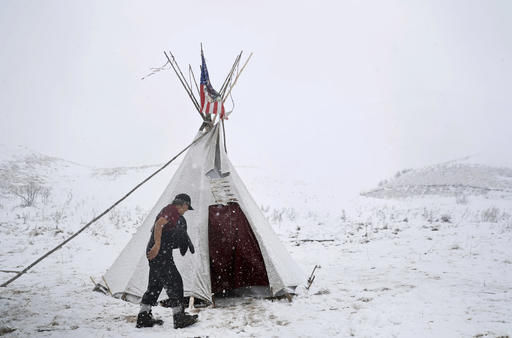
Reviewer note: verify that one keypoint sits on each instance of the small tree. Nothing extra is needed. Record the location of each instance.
(27, 193)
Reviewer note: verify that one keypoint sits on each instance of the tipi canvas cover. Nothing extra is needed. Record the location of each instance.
(245, 243)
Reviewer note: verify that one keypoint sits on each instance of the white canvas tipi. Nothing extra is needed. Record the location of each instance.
(236, 248)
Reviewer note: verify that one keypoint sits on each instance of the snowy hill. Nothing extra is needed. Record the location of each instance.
(431, 264)
(461, 177)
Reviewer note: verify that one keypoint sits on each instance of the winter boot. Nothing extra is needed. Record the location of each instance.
(145, 319)
(155, 321)
(182, 319)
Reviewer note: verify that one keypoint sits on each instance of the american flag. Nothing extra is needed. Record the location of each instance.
(211, 102)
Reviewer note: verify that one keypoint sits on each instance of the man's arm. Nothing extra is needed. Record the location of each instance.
(157, 237)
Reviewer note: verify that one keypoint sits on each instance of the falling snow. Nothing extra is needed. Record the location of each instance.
(421, 265)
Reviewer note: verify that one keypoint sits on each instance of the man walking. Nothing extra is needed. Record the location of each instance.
(169, 232)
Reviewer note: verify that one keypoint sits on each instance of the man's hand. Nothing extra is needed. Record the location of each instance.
(157, 237)
(153, 252)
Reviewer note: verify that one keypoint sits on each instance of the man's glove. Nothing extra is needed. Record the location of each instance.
(190, 245)
(185, 243)
(181, 239)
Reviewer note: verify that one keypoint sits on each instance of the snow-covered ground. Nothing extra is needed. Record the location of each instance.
(411, 263)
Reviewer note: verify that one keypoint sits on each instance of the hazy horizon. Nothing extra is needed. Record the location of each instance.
(341, 93)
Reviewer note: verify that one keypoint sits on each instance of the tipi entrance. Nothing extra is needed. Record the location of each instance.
(236, 262)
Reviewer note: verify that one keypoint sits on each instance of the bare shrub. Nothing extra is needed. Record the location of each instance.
(490, 215)
(139, 220)
(115, 217)
(23, 216)
(58, 216)
(508, 224)
(446, 218)
(45, 195)
(380, 215)
(27, 193)
(505, 216)
(343, 216)
(277, 215)
(428, 215)
(461, 198)
(68, 199)
(291, 214)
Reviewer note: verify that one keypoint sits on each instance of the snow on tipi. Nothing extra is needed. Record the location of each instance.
(236, 249)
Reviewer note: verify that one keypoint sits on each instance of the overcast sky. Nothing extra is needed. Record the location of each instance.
(344, 92)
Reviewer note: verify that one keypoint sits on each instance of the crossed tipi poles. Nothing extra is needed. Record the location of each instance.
(225, 90)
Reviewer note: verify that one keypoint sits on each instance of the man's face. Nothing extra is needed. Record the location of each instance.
(182, 209)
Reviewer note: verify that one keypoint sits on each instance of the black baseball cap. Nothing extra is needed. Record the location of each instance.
(183, 198)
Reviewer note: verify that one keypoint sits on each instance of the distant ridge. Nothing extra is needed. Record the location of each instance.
(463, 176)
